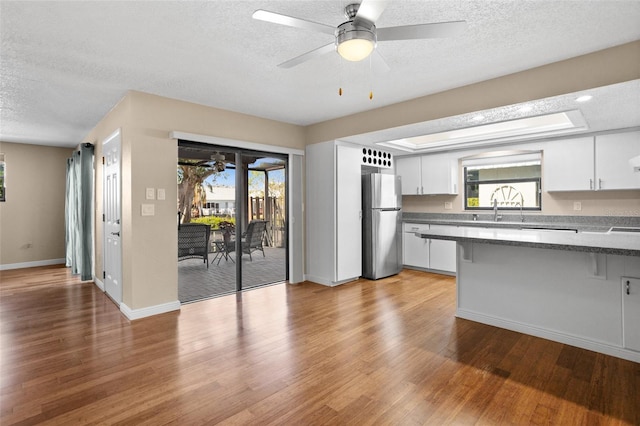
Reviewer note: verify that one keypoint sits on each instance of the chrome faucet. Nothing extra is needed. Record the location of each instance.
(495, 210)
(521, 215)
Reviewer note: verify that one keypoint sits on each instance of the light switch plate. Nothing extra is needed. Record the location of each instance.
(150, 194)
(161, 194)
(448, 205)
(577, 205)
(148, 210)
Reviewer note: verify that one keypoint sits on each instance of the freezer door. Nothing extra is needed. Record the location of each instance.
(385, 191)
(383, 257)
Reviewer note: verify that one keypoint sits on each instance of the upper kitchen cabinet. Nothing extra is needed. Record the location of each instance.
(333, 213)
(613, 153)
(408, 168)
(439, 174)
(569, 165)
(428, 174)
(592, 163)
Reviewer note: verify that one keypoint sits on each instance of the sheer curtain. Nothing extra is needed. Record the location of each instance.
(78, 212)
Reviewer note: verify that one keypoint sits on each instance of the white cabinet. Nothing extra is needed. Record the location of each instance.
(408, 168)
(415, 250)
(333, 213)
(439, 174)
(442, 253)
(631, 313)
(427, 253)
(613, 153)
(592, 163)
(569, 165)
(428, 174)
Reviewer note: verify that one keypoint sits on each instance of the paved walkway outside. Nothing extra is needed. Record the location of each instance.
(196, 282)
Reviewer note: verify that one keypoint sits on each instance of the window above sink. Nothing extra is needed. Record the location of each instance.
(505, 181)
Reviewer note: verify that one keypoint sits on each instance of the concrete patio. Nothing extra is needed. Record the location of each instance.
(196, 282)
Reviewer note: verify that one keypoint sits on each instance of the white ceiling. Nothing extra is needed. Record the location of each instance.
(64, 65)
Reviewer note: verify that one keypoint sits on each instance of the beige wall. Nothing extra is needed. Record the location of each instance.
(149, 159)
(34, 211)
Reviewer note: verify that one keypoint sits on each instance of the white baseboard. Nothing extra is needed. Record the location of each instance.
(555, 336)
(31, 264)
(323, 281)
(99, 283)
(134, 314)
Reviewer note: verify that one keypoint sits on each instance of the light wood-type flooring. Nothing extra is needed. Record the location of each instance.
(369, 352)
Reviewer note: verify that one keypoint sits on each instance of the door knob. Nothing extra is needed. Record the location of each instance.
(116, 233)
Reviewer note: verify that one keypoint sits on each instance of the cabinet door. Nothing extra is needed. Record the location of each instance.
(408, 168)
(569, 165)
(631, 313)
(415, 250)
(442, 254)
(613, 153)
(348, 214)
(439, 176)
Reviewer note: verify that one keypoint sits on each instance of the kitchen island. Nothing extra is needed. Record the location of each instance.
(578, 288)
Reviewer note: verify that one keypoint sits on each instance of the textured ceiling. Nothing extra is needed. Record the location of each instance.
(64, 65)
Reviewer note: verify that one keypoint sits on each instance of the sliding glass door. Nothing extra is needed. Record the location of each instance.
(242, 196)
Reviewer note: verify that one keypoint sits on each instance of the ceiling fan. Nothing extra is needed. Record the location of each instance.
(216, 161)
(356, 38)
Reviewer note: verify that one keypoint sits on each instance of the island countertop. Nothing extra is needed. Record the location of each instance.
(618, 241)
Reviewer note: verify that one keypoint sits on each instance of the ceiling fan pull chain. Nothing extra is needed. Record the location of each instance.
(341, 73)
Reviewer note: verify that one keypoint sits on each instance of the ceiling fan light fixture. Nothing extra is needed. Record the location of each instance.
(355, 42)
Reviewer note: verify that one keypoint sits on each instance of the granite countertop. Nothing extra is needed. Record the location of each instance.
(625, 242)
(513, 220)
(596, 234)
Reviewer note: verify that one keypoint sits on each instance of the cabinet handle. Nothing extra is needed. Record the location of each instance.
(599, 183)
(418, 190)
(422, 189)
(628, 289)
(590, 183)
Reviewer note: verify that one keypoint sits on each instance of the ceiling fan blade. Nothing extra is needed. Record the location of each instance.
(331, 47)
(290, 21)
(370, 10)
(414, 32)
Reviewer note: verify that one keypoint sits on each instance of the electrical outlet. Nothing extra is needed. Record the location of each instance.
(161, 194)
(577, 205)
(448, 205)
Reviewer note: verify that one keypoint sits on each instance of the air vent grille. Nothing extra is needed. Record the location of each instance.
(376, 158)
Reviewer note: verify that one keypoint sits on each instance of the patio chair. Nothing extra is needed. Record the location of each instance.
(253, 237)
(193, 241)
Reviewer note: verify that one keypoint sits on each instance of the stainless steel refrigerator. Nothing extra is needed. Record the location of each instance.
(381, 225)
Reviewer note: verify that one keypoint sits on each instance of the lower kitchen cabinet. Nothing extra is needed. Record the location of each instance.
(442, 254)
(631, 313)
(439, 255)
(415, 250)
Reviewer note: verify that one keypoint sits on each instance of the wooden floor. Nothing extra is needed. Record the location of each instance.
(383, 352)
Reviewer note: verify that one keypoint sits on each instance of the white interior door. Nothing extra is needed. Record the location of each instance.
(112, 217)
